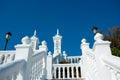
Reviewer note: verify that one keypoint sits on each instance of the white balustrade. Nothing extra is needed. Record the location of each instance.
(12, 71)
(66, 71)
(113, 65)
(37, 66)
(98, 63)
(6, 56)
(32, 69)
(74, 59)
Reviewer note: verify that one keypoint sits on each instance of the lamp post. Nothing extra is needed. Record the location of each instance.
(95, 30)
(8, 35)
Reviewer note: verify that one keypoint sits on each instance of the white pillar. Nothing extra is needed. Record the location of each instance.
(72, 72)
(68, 73)
(59, 73)
(55, 72)
(77, 76)
(63, 72)
(24, 51)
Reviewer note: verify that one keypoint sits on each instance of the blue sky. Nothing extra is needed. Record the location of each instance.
(74, 18)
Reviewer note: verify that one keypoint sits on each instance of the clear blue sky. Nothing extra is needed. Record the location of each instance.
(74, 18)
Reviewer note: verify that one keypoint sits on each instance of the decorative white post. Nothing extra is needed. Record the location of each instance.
(43, 46)
(101, 47)
(84, 48)
(49, 66)
(24, 51)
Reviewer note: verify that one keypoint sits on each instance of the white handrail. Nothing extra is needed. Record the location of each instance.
(112, 61)
(12, 70)
(7, 56)
(36, 66)
(113, 65)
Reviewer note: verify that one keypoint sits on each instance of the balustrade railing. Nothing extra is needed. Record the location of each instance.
(37, 66)
(89, 65)
(6, 56)
(12, 71)
(73, 59)
(66, 71)
(33, 69)
(113, 65)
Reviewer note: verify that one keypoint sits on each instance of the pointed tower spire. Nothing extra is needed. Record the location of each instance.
(35, 33)
(57, 39)
(34, 41)
(57, 31)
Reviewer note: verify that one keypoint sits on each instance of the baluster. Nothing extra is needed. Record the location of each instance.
(113, 72)
(68, 73)
(14, 76)
(43, 66)
(77, 76)
(55, 72)
(63, 72)
(118, 75)
(34, 71)
(59, 73)
(37, 71)
(72, 71)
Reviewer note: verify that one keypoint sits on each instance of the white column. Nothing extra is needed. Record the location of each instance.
(63, 72)
(55, 72)
(77, 76)
(68, 73)
(72, 72)
(59, 73)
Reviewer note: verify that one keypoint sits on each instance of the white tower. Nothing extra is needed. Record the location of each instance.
(57, 39)
(34, 41)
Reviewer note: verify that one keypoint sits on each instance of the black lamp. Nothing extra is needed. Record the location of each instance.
(94, 29)
(8, 35)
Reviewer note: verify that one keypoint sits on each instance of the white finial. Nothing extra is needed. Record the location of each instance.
(35, 33)
(83, 40)
(57, 31)
(98, 37)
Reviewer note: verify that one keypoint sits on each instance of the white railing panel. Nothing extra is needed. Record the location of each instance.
(113, 65)
(12, 71)
(37, 66)
(74, 59)
(6, 56)
(66, 71)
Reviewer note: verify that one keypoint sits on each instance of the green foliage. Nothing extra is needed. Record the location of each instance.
(115, 51)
